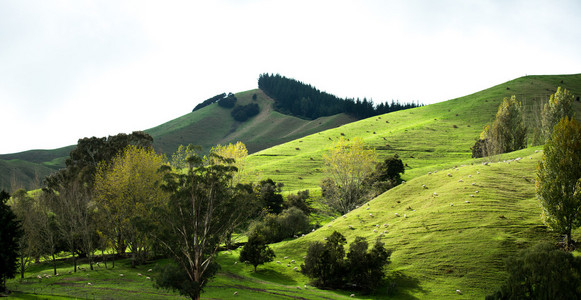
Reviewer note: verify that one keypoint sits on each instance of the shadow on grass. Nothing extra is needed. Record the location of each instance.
(273, 276)
(402, 286)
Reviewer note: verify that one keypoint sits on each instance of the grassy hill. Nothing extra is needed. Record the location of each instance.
(451, 235)
(206, 127)
(213, 125)
(425, 138)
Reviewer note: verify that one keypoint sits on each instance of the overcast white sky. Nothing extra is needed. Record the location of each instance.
(73, 69)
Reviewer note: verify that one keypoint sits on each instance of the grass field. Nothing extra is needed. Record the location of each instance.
(451, 235)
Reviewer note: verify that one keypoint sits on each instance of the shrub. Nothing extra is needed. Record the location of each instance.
(362, 269)
(245, 112)
(228, 101)
(541, 272)
(256, 251)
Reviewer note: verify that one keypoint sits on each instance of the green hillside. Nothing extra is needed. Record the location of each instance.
(451, 235)
(425, 138)
(213, 125)
(206, 127)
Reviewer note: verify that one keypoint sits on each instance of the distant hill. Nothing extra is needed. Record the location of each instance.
(206, 127)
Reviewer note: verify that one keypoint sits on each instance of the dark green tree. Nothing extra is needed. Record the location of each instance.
(256, 251)
(366, 268)
(558, 180)
(325, 263)
(10, 233)
(541, 272)
(203, 208)
(300, 201)
(270, 196)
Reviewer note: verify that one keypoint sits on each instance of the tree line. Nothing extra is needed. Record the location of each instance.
(305, 101)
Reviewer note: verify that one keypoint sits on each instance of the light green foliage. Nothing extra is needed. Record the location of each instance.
(348, 164)
(127, 192)
(559, 178)
(508, 131)
(560, 105)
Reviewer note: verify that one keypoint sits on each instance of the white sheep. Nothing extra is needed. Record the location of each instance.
(371, 215)
(473, 183)
(460, 180)
(350, 227)
(435, 194)
(374, 230)
(278, 261)
(367, 208)
(352, 295)
(467, 201)
(396, 214)
(469, 176)
(405, 215)
(476, 192)
(149, 270)
(148, 278)
(449, 175)
(471, 195)
(235, 293)
(458, 292)
(121, 275)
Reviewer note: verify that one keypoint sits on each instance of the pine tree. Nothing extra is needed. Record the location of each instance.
(10, 233)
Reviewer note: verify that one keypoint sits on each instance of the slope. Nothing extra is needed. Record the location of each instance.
(213, 125)
(451, 235)
(428, 137)
(206, 127)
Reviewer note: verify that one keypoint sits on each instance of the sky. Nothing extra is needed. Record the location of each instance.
(74, 69)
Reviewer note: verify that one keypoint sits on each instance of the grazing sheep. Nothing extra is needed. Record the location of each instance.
(424, 186)
(471, 195)
(344, 216)
(477, 172)
(469, 176)
(449, 175)
(350, 227)
(295, 236)
(313, 230)
(139, 274)
(295, 268)
(298, 287)
(460, 180)
(235, 262)
(302, 235)
(288, 265)
(385, 231)
(458, 292)
(435, 194)
(374, 230)
(377, 225)
(278, 261)
(367, 208)
(286, 257)
(235, 293)
(451, 204)
(467, 201)
(405, 215)
(371, 215)
(476, 192)
(396, 214)
(473, 183)
(149, 270)
(292, 261)
(352, 295)
(89, 283)
(121, 275)
(148, 278)
(38, 276)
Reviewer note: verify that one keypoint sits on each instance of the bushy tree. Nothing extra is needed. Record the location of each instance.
(238, 153)
(270, 196)
(507, 133)
(558, 182)
(541, 272)
(366, 268)
(10, 233)
(348, 164)
(386, 175)
(242, 113)
(127, 191)
(256, 251)
(27, 212)
(299, 200)
(560, 105)
(275, 228)
(203, 208)
(325, 263)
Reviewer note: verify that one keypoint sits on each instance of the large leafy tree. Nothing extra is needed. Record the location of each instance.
(203, 209)
(559, 178)
(325, 263)
(26, 209)
(366, 268)
(10, 233)
(127, 191)
(348, 164)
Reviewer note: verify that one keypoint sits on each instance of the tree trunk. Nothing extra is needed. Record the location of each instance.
(74, 262)
(54, 263)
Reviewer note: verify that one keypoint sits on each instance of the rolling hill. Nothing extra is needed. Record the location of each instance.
(206, 127)
(425, 138)
(451, 235)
